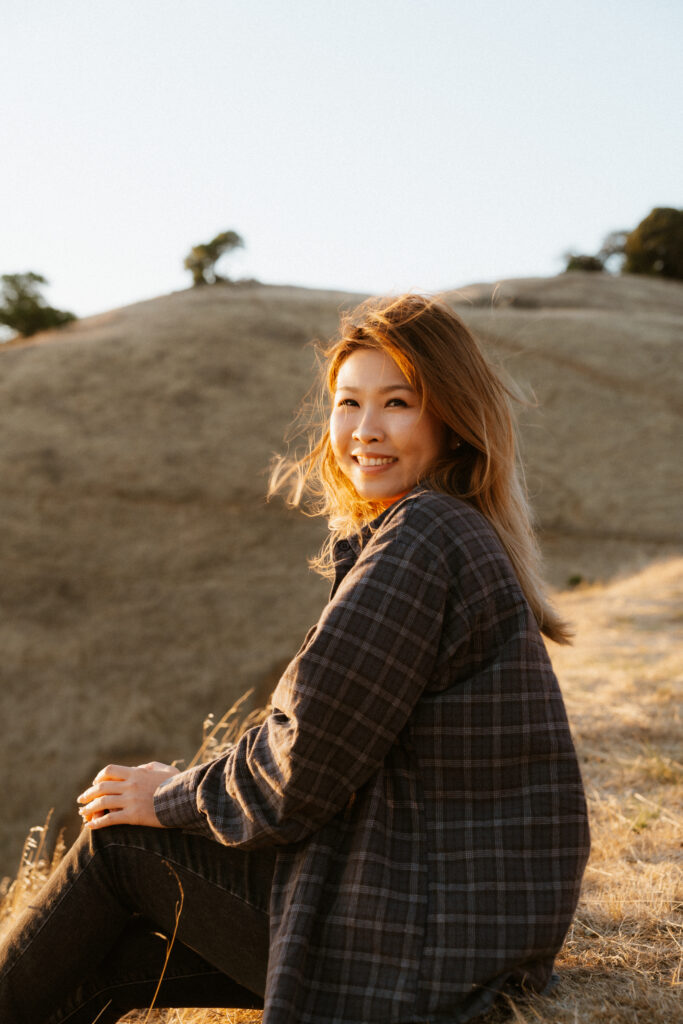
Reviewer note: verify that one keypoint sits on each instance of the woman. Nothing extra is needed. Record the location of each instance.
(405, 833)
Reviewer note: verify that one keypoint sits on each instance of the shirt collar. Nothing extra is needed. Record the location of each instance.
(347, 550)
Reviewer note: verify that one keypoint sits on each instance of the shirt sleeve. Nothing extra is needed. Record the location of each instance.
(338, 708)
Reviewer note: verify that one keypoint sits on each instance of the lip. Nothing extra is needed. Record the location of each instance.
(373, 455)
(382, 467)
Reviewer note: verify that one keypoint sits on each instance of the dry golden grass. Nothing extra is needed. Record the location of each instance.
(623, 683)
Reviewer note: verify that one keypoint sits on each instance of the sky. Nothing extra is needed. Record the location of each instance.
(365, 145)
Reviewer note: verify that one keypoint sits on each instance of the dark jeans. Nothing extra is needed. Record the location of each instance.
(94, 939)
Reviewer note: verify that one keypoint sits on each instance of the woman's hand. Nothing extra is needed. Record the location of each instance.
(124, 796)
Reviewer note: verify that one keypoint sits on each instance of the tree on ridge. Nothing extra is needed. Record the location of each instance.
(656, 245)
(24, 309)
(201, 260)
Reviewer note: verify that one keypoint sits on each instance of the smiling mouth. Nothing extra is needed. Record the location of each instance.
(373, 460)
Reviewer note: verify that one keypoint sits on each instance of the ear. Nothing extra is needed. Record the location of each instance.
(454, 442)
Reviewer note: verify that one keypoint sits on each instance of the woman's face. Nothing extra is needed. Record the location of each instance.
(382, 440)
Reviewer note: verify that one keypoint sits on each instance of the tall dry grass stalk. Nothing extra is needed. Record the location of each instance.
(35, 866)
(622, 961)
(217, 736)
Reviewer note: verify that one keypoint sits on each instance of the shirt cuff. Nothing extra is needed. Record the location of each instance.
(175, 802)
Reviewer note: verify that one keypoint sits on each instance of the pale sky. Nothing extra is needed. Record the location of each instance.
(367, 145)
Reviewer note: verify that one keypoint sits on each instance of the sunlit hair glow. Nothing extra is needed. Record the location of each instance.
(440, 358)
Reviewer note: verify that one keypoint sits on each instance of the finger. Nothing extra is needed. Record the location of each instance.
(86, 815)
(105, 820)
(110, 802)
(113, 771)
(115, 787)
(158, 766)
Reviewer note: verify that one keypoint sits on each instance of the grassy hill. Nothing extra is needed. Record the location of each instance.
(145, 581)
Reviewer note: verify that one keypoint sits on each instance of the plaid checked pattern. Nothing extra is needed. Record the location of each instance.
(418, 777)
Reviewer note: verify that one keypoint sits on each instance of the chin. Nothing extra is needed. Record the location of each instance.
(380, 494)
(383, 499)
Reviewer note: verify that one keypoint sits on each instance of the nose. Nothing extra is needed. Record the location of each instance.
(367, 431)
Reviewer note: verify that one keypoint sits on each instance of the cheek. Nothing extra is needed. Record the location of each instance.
(429, 441)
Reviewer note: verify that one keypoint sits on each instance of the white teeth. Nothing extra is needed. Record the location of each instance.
(365, 460)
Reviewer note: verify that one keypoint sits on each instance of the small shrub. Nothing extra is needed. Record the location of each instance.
(576, 261)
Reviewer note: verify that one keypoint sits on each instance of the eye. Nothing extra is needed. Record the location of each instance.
(347, 401)
(398, 403)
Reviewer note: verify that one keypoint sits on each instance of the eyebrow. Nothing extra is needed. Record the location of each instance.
(384, 388)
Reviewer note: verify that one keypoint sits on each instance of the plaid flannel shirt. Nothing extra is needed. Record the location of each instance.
(418, 778)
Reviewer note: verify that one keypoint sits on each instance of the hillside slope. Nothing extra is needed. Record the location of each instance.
(145, 581)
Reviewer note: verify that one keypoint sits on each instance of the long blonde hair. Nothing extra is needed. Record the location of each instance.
(440, 358)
